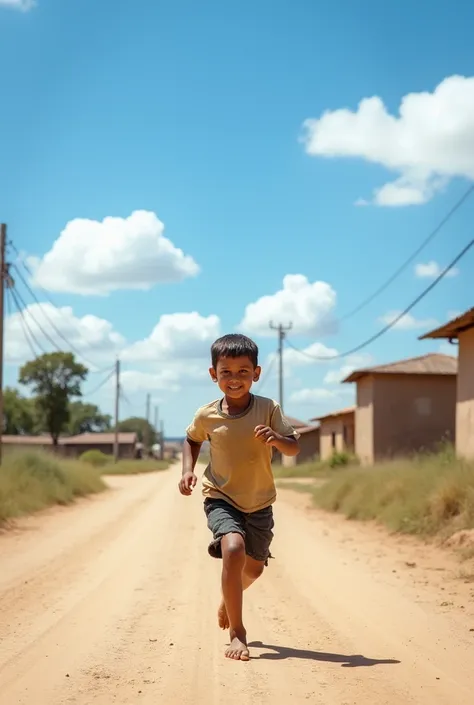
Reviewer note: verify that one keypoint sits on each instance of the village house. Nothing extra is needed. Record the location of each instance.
(404, 407)
(73, 446)
(336, 432)
(461, 329)
(309, 446)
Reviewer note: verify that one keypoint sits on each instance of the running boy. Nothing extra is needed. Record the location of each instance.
(238, 483)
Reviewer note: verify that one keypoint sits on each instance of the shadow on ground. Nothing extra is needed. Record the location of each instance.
(285, 652)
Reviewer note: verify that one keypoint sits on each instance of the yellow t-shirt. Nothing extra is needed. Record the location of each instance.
(240, 470)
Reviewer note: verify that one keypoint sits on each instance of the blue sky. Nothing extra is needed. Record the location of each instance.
(196, 112)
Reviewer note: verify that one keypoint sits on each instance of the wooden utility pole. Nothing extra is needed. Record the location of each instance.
(281, 339)
(162, 440)
(117, 401)
(3, 242)
(148, 439)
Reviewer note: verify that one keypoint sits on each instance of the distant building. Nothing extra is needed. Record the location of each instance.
(309, 446)
(336, 432)
(73, 446)
(461, 329)
(404, 407)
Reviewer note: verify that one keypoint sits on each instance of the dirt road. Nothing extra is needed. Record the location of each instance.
(113, 601)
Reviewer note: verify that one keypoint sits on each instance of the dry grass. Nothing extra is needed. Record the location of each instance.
(135, 467)
(32, 481)
(428, 495)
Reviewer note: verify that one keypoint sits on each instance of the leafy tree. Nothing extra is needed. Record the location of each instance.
(87, 418)
(55, 379)
(144, 430)
(20, 415)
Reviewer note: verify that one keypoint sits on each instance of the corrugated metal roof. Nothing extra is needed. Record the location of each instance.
(340, 412)
(124, 438)
(453, 328)
(27, 440)
(431, 364)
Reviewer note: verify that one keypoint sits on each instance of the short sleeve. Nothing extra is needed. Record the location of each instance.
(196, 430)
(280, 424)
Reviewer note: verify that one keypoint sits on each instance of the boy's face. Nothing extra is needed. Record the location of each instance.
(235, 375)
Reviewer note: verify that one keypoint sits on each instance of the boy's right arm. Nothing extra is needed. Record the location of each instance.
(188, 480)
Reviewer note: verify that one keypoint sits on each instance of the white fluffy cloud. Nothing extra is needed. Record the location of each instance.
(23, 5)
(408, 322)
(431, 270)
(308, 306)
(429, 142)
(133, 381)
(177, 335)
(351, 363)
(95, 258)
(93, 336)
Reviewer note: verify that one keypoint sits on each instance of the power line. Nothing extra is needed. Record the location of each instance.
(412, 257)
(397, 318)
(101, 384)
(267, 374)
(49, 319)
(30, 337)
(27, 310)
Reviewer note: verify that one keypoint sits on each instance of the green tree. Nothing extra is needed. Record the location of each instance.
(144, 430)
(55, 379)
(20, 415)
(87, 418)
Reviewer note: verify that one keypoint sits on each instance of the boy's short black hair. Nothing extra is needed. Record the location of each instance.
(234, 345)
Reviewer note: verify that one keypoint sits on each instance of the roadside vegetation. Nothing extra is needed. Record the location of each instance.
(316, 469)
(431, 494)
(32, 481)
(105, 464)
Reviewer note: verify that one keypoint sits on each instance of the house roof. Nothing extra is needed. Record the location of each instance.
(27, 440)
(431, 364)
(124, 438)
(295, 422)
(453, 328)
(307, 429)
(340, 412)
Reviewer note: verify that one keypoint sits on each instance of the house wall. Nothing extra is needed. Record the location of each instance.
(126, 450)
(343, 429)
(309, 449)
(364, 421)
(412, 413)
(465, 396)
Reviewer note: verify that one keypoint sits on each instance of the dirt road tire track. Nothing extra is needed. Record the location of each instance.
(113, 601)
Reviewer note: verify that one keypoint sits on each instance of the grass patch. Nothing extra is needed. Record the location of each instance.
(303, 487)
(316, 469)
(427, 495)
(32, 481)
(134, 467)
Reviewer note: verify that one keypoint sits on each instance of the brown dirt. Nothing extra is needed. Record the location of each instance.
(113, 601)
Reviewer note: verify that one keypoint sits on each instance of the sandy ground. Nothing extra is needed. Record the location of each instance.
(113, 601)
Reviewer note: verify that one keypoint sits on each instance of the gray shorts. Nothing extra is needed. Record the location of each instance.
(256, 528)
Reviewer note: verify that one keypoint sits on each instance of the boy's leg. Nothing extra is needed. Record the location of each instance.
(233, 558)
(252, 570)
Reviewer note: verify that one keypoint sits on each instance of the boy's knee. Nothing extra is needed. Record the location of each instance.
(233, 547)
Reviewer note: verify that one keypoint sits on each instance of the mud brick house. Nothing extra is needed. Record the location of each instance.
(336, 432)
(461, 331)
(404, 407)
(309, 446)
(73, 446)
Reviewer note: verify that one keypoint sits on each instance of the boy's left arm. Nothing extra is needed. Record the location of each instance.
(279, 434)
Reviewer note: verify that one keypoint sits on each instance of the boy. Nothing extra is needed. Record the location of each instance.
(238, 483)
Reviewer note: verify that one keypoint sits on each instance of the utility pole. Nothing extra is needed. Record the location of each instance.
(117, 399)
(3, 242)
(281, 339)
(162, 440)
(148, 439)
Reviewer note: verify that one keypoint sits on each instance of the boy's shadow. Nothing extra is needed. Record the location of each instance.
(346, 661)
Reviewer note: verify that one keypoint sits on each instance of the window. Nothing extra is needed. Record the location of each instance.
(333, 439)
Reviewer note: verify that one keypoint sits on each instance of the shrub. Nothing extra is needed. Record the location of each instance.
(95, 458)
(32, 481)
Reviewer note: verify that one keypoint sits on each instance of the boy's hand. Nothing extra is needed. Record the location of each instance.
(266, 435)
(187, 483)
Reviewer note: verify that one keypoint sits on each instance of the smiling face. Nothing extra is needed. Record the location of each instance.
(235, 376)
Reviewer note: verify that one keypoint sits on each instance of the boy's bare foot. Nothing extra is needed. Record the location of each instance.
(238, 649)
(222, 617)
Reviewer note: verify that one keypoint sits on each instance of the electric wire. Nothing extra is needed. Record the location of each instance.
(392, 323)
(30, 338)
(100, 385)
(460, 202)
